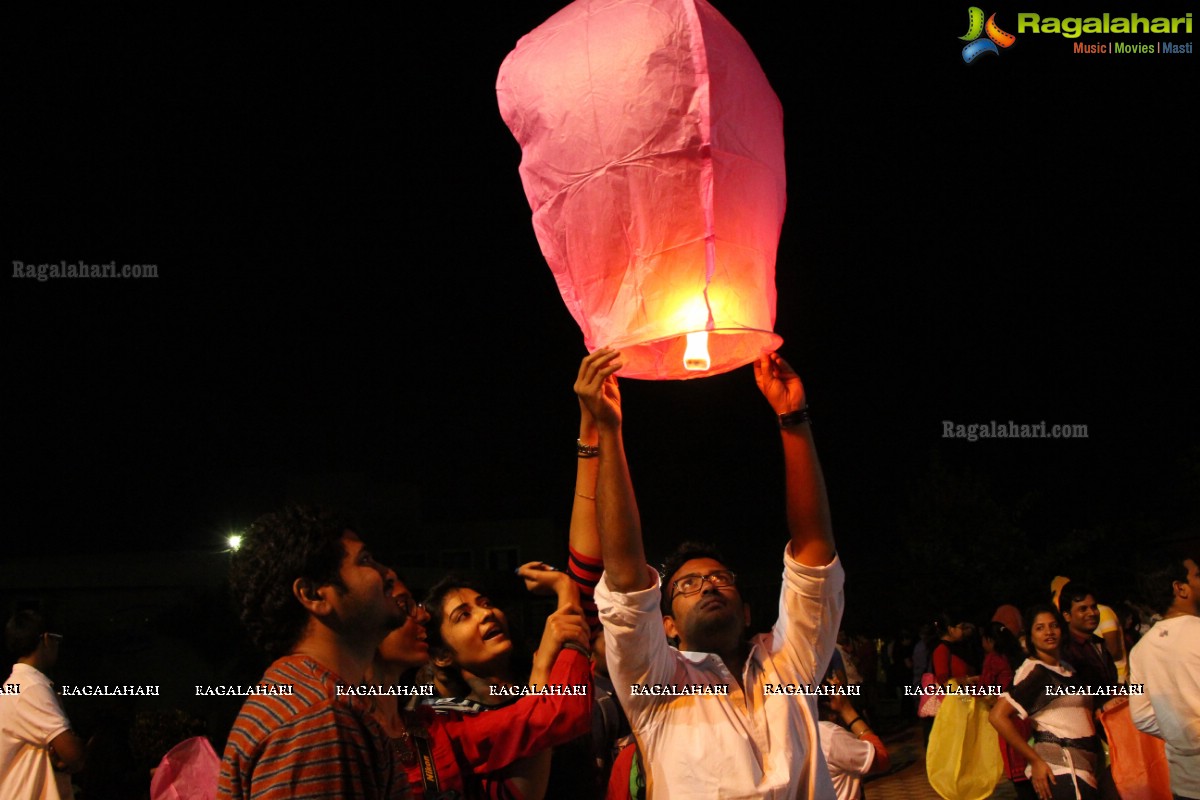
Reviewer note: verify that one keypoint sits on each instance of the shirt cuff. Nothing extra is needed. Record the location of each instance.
(647, 599)
(792, 565)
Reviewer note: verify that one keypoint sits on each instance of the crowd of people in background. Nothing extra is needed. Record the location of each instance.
(1143, 654)
(644, 682)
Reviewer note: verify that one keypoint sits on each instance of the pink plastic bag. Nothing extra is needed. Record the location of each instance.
(189, 771)
(928, 704)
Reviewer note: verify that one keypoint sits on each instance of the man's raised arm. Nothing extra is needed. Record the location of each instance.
(807, 504)
(617, 518)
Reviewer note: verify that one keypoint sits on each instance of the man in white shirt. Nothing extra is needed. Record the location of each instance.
(745, 735)
(1166, 663)
(38, 749)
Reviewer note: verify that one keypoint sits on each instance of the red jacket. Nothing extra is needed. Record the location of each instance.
(467, 748)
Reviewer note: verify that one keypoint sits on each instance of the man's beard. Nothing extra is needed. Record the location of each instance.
(712, 633)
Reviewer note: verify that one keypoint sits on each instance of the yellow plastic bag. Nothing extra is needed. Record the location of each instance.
(963, 759)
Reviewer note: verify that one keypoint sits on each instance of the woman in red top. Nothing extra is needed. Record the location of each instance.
(951, 658)
(1003, 658)
(480, 755)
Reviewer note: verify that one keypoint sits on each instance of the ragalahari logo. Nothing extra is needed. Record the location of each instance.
(976, 27)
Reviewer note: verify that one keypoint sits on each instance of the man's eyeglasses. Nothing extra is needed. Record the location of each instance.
(690, 584)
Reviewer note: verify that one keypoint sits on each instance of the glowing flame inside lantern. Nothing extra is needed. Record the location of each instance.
(695, 357)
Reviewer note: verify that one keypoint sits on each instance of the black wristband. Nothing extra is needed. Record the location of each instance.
(793, 418)
(586, 450)
(850, 724)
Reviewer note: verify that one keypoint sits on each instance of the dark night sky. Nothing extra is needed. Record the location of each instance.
(349, 280)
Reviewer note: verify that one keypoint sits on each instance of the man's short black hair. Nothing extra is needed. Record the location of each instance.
(1073, 592)
(1157, 580)
(297, 542)
(682, 554)
(23, 632)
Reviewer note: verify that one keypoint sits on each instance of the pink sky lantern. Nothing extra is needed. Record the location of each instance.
(652, 157)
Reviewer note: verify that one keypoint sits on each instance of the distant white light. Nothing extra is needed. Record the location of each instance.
(235, 541)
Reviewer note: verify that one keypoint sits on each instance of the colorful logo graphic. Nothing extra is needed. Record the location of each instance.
(976, 27)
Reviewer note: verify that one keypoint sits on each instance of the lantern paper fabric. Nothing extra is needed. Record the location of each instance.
(652, 157)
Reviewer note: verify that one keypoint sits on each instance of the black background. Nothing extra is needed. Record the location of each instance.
(349, 284)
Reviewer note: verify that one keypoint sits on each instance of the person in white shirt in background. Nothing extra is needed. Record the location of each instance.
(1166, 663)
(748, 743)
(852, 750)
(38, 749)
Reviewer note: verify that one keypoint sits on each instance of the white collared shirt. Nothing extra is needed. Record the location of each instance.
(29, 722)
(745, 744)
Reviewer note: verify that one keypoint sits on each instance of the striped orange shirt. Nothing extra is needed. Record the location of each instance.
(312, 743)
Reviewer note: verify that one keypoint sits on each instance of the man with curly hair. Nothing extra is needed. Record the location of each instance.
(739, 737)
(313, 597)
